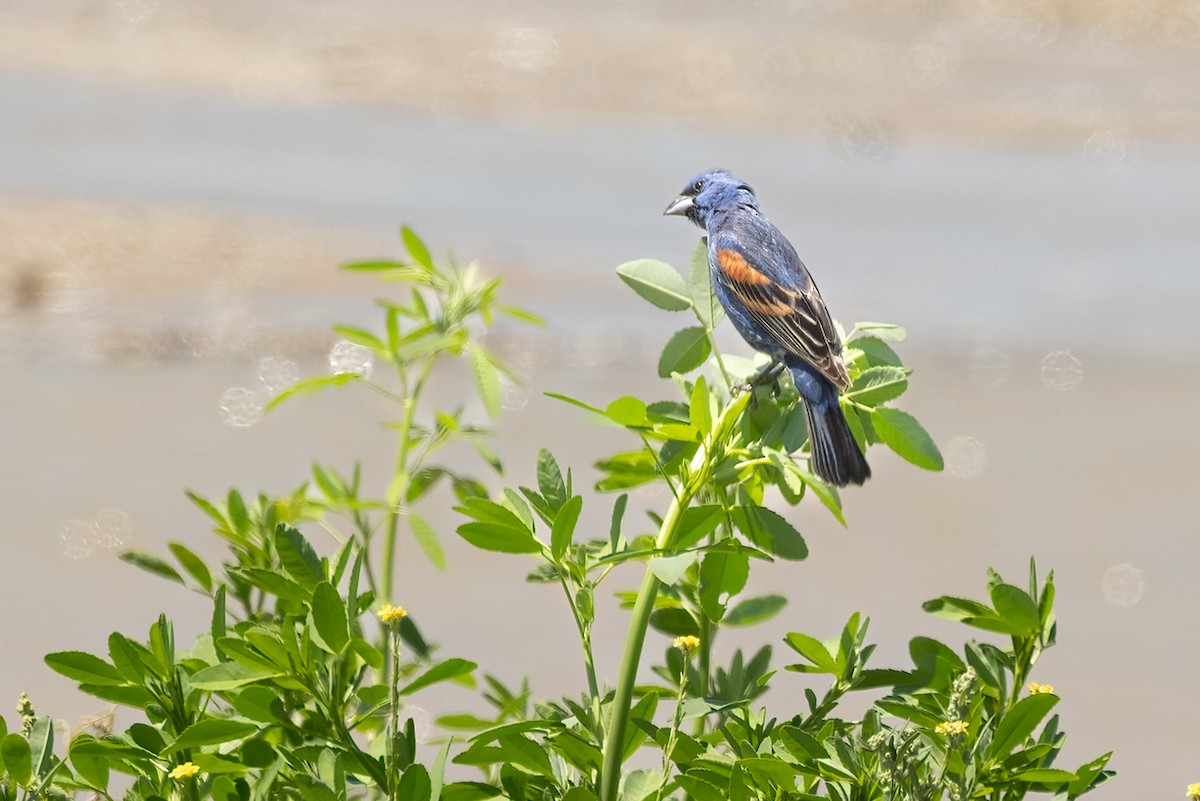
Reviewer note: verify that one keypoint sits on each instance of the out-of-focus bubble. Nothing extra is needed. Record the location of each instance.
(137, 10)
(1061, 371)
(346, 357)
(933, 61)
(1039, 28)
(241, 407)
(864, 140)
(965, 457)
(277, 374)
(112, 529)
(988, 367)
(77, 539)
(1107, 148)
(480, 70)
(422, 721)
(525, 49)
(1123, 585)
(513, 396)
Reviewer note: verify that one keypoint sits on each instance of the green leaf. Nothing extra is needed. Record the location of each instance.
(657, 282)
(151, 564)
(310, 385)
(124, 655)
(875, 351)
(362, 338)
(229, 676)
(297, 556)
(238, 516)
(674, 622)
(273, 583)
(696, 523)
(578, 793)
(41, 744)
(827, 494)
(669, 569)
(686, 350)
(443, 671)
(468, 791)
(193, 564)
(377, 265)
(877, 385)
(428, 539)
(627, 411)
(550, 480)
(885, 331)
(700, 411)
(754, 610)
(700, 790)
(814, 651)
(90, 766)
(564, 526)
(499, 537)
(904, 435)
(1090, 775)
(487, 379)
(1019, 722)
(769, 531)
(618, 515)
(329, 617)
(84, 668)
(1045, 776)
(704, 302)
(416, 248)
(1015, 607)
(574, 402)
(210, 731)
(722, 576)
(414, 784)
(17, 757)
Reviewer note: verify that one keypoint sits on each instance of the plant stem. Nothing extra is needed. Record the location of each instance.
(614, 741)
(585, 637)
(397, 509)
(703, 463)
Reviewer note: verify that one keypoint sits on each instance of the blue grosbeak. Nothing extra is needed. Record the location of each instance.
(774, 304)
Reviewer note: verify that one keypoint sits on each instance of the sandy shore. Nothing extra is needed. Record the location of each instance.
(860, 73)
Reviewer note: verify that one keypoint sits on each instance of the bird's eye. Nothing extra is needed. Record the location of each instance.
(696, 187)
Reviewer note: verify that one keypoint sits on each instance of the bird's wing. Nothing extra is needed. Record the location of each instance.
(771, 283)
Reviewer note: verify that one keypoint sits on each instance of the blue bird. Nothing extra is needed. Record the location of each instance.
(774, 304)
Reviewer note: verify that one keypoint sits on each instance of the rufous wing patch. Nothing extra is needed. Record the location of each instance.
(734, 265)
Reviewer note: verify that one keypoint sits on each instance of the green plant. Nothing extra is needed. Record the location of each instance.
(298, 688)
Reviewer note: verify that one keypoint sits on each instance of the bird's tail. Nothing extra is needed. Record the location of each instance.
(835, 454)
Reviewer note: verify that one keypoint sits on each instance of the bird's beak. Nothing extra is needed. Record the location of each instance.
(679, 206)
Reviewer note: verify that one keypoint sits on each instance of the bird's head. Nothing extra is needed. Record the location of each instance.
(713, 192)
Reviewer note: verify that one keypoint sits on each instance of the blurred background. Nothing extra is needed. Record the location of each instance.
(1016, 181)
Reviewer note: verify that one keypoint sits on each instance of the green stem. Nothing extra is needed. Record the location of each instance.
(702, 470)
(394, 712)
(585, 637)
(397, 509)
(614, 741)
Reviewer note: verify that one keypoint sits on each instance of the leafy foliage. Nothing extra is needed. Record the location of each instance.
(297, 691)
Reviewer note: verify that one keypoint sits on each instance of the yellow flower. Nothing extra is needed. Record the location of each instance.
(687, 643)
(392, 614)
(1040, 689)
(1193, 790)
(185, 771)
(951, 727)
